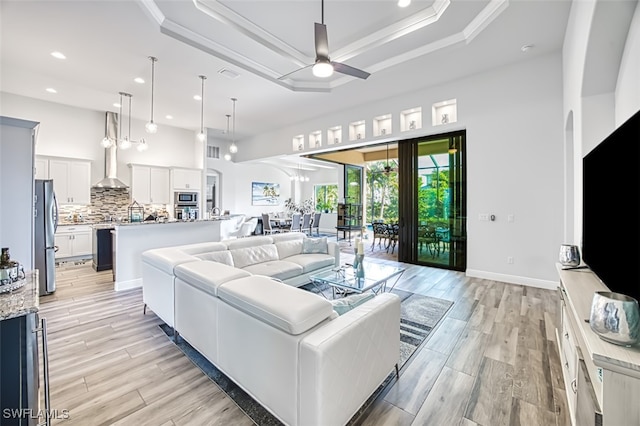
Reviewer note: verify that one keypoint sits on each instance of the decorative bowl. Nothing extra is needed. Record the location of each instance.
(615, 317)
(569, 255)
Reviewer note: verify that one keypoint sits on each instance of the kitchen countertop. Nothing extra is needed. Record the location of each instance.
(22, 301)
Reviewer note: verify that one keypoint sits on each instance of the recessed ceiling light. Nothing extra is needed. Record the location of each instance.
(51, 90)
(139, 80)
(58, 55)
(404, 3)
(526, 47)
(197, 97)
(169, 117)
(117, 105)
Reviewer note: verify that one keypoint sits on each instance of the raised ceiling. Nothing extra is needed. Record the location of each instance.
(107, 44)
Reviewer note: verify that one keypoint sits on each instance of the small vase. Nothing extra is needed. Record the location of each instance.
(360, 268)
(445, 118)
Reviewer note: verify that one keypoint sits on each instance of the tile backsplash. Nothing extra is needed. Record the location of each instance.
(112, 202)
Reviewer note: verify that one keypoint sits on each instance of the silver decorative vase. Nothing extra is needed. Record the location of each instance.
(615, 318)
(569, 255)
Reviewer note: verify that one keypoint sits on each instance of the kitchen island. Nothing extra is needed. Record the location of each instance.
(131, 239)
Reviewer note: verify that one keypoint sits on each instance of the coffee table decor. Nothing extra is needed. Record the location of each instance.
(369, 276)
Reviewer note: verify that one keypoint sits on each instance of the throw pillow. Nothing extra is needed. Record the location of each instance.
(315, 245)
(346, 304)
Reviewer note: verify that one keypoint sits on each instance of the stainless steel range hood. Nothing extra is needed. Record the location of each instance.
(111, 159)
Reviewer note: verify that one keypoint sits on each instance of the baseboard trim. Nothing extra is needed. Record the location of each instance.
(126, 285)
(513, 279)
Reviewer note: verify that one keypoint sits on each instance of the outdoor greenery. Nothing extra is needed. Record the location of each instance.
(382, 194)
(326, 198)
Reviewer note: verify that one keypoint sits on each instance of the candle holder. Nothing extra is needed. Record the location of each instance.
(360, 267)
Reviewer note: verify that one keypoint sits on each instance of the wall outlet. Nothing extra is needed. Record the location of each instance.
(510, 260)
(483, 217)
(510, 218)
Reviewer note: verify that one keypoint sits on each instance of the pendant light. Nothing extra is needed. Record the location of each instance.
(151, 126)
(124, 142)
(227, 156)
(233, 148)
(201, 135)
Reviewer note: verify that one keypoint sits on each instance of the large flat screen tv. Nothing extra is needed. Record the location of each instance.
(610, 213)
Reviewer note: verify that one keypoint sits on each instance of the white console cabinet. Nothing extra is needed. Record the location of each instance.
(602, 380)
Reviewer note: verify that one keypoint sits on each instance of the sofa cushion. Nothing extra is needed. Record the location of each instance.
(208, 276)
(346, 304)
(223, 257)
(200, 248)
(287, 236)
(315, 245)
(312, 262)
(289, 248)
(287, 308)
(244, 257)
(280, 269)
(248, 242)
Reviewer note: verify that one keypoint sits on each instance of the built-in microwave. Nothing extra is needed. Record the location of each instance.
(185, 199)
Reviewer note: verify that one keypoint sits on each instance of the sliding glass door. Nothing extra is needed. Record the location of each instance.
(432, 206)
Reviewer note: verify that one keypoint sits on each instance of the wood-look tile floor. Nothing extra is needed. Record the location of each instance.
(491, 361)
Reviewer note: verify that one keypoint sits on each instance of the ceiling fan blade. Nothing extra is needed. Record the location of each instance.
(293, 72)
(348, 70)
(322, 42)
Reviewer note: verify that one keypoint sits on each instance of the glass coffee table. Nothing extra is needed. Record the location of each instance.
(343, 279)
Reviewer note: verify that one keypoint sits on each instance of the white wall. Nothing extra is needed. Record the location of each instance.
(595, 115)
(513, 118)
(628, 87)
(67, 131)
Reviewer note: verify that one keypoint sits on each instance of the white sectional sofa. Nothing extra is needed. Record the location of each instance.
(279, 256)
(286, 347)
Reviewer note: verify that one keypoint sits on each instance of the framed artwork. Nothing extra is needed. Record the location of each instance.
(265, 194)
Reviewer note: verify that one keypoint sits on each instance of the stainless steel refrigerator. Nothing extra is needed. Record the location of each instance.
(45, 225)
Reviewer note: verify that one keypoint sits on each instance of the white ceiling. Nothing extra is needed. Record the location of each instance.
(107, 44)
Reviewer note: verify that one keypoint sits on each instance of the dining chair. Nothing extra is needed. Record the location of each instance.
(266, 225)
(306, 223)
(295, 223)
(315, 224)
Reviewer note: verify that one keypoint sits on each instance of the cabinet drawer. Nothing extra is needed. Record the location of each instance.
(568, 345)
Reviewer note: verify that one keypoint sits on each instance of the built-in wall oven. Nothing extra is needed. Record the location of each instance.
(186, 205)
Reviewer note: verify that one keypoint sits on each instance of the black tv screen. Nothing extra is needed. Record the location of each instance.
(610, 213)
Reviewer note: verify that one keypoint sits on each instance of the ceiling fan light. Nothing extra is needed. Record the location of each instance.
(151, 127)
(233, 148)
(404, 3)
(322, 68)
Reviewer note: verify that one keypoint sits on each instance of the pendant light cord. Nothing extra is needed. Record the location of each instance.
(202, 105)
(234, 119)
(153, 67)
(129, 135)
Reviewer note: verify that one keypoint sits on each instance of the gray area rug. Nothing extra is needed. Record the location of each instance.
(419, 315)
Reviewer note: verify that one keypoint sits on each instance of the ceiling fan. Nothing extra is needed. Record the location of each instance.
(388, 169)
(323, 66)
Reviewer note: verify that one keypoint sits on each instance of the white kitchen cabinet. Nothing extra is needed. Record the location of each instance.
(150, 184)
(190, 179)
(41, 168)
(71, 180)
(73, 241)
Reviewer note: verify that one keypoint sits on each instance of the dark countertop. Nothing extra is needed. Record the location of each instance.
(22, 301)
